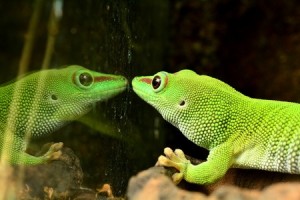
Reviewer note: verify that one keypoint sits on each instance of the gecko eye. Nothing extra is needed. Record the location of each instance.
(83, 79)
(159, 81)
(156, 82)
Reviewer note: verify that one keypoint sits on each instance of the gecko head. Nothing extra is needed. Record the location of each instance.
(55, 96)
(195, 104)
(79, 88)
(95, 86)
(173, 95)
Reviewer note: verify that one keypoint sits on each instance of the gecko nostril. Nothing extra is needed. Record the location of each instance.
(182, 103)
(54, 97)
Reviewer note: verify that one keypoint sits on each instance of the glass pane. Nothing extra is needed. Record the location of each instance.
(113, 141)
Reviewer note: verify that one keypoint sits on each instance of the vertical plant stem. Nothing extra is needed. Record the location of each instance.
(30, 37)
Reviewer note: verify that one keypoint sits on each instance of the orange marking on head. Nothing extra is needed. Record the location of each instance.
(146, 80)
(103, 78)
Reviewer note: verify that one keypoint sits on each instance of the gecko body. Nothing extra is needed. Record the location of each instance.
(238, 131)
(43, 101)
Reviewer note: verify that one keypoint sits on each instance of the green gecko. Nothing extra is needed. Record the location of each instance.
(238, 131)
(41, 102)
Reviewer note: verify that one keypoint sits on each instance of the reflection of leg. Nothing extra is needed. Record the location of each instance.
(23, 158)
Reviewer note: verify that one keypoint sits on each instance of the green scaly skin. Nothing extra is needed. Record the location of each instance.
(239, 131)
(42, 102)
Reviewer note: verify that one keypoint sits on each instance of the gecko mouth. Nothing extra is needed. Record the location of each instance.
(141, 93)
(110, 93)
(151, 98)
(102, 95)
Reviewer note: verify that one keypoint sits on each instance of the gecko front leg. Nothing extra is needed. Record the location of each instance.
(20, 157)
(217, 164)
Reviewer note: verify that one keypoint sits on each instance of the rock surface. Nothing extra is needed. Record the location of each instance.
(155, 184)
(58, 179)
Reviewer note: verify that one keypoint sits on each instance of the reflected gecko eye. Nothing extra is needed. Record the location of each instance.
(156, 82)
(85, 79)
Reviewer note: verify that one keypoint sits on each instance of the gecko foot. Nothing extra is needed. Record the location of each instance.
(54, 152)
(174, 159)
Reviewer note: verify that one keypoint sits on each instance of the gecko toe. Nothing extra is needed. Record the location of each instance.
(171, 154)
(177, 177)
(55, 155)
(168, 151)
(167, 162)
(56, 146)
(180, 153)
(54, 152)
(163, 161)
